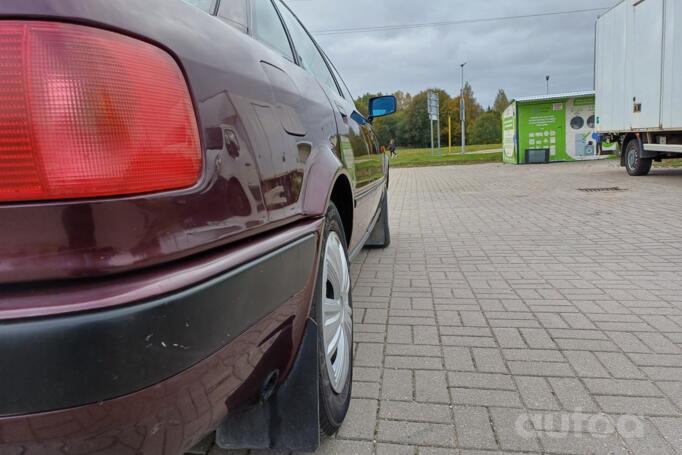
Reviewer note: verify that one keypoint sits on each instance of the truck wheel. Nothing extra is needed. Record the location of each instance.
(334, 315)
(634, 163)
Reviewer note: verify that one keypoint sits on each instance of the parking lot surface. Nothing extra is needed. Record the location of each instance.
(515, 313)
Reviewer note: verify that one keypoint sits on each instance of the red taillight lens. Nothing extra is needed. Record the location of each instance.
(87, 112)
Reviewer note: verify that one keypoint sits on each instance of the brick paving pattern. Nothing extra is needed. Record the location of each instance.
(509, 293)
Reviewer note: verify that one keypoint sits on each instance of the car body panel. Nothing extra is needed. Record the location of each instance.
(72, 296)
(57, 240)
(170, 416)
(100, 355)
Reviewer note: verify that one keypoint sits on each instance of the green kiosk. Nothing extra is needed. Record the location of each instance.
(541, 129)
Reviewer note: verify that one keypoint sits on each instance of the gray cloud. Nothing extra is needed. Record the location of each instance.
(514, 55)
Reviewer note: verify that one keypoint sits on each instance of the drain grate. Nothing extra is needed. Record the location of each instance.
(600, 190)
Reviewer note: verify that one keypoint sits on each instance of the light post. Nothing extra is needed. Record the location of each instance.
(547, 77)
(462, 109)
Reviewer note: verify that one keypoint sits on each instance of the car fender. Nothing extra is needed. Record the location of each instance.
(322, 176)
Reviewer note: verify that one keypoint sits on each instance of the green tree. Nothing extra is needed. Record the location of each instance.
(415, 126)
(410, 126)
(403, 99)
(388, 128)
(415, 130)
(501, 102)
(487, 129)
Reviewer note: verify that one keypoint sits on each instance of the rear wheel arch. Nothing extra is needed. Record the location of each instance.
(342, 197)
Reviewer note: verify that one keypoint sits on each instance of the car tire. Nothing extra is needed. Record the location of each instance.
(634, 163)
(335, 336)
(381, 234)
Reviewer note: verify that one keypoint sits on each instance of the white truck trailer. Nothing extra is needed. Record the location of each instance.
(638, 81)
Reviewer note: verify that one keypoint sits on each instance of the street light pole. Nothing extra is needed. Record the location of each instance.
(462, 109)
(547, 77)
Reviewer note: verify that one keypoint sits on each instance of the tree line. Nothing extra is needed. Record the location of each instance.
(410, 125)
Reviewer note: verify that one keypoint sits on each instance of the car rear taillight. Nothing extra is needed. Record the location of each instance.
(86, 112)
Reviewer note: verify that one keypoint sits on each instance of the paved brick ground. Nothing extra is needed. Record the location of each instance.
(509, 293)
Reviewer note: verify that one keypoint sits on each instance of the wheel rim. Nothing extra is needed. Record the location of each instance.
(631, 159)
(337, 315)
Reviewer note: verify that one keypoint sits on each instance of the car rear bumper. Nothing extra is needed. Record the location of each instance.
(163, 371)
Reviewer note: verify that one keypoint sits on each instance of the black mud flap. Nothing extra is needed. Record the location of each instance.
(290, 419)
(380, 236)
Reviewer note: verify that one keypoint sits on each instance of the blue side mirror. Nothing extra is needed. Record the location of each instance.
(381, 106)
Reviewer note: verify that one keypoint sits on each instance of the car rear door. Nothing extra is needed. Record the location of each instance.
(297, 124)
(355, 144)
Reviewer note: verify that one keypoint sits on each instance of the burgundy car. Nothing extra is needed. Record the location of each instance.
(182, 184)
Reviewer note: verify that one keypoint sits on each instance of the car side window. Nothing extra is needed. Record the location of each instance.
(234, 12)
(206, 5)
(309, 54)
(268, 28)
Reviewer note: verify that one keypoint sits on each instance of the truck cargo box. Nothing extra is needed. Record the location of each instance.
(638, 66)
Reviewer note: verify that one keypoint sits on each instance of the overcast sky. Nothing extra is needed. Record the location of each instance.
(514, 54)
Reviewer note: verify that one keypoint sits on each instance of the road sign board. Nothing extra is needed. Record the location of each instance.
(433, 107)
(433, 104)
